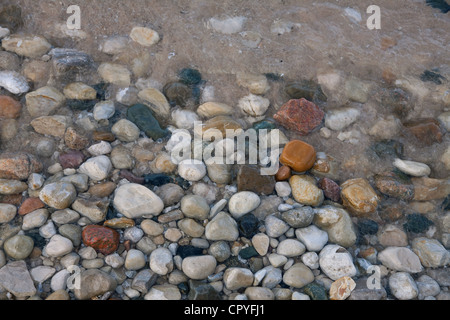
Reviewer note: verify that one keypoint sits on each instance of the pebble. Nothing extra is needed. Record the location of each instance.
(283, 189)
(400, 259)
(298, 155)
(95, 209)
(18, 247)
(161, 261)
(298, 276)
(103, 239)
(15, 278)
(156, 101)
(392, 236)
(184, 119)
(305, 190)
(312, 237)
(394, 185)
(249, 178)
(144, 36)
(300, 115)
(430, 189)
(412, 168)
(310, 259)
(257, 84)
(97, 168)
(417, 223)
(275, 227)
(339, 119)
(290, 248)
(35, 219)
(27, 46)
(135, 260)
(336, 262)
(253, 105)
(359, 197)
(115, 73)
(13, 82)
(342, 288)
(199, 267)
(236, 278)
(58, 195)
(44, 101)
(426, 131)
(242, 203)
(338, 225)
(229, 25)
(283, 174)
(58, 246)
(7, 212)
(93, 283)
(12, 186)
(134, 201)
(192, 170)
(431, 252)
(222, 227)
(248, 225)
(195, 207)
(213, 109)
(125, 131)
(104, 110)
(51, 125)
(402, 286)
(261, 242)
(9, 107)
(427, 286)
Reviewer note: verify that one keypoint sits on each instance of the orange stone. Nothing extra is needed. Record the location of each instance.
(359, 197)
(298, 155)
(283, 174)
(30, 205)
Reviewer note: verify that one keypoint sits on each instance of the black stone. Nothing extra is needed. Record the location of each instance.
(431, 76)
(81, 104)
(417, 223)
(177, 93)
(157, 179)
(234, 262)
(367, 226)
(248, 253)
(39, 241)
(190, 76)
(273, 76)
(439, 4)
(388, 149)
(111, 213)
(248, 225)
(306, 89)
(202, 291)
(101, 89)
(189, 251)
(144, 119)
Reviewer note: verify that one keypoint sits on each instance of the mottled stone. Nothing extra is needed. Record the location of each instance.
(305, 190)
(94, 282)
(30, 205)
(18, 165)
(300, 115)
(331, 189)
(103, 239)
(427, 131)
(394, 185)
(58, 195)
(359, 197)
(71, 159)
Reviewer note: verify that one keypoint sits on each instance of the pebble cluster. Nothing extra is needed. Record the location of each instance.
(101, 197)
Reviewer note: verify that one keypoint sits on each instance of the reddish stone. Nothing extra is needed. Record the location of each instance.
(18, 165)
(14, 199)
(283, 174)
(103, 239)
(250, 179)
(300, 115)
(30, 205)
(71, 159)
(127, 245)
(9, 108)
(125, 174)
(426, 130)
(331, 189)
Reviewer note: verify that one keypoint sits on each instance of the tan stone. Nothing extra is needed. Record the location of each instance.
(298, 155)
(305, 190)
(359, 197)
(342, 288)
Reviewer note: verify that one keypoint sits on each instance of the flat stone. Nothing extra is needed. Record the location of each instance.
(431, 252)
(15, 278)
(300, 115)
(305, 190)
(44, 101)
(51, 125)
(250, 179)
(412, 168)
(257, 84)
(199, 267)
(261, 242)
(216, 128)
(290, 248)
(71, 159)
(298, 155)
(400, 259)
(79, 91)
(227, 25)
(392, 236)
(42, 273)
(58, 195)
(134, 201)
(214, 109)
(359, 197)
(26, 45)
(144, 36)
(163, 292)
(8, 187)
(336, 262)
(18, 165)
(298, 276)
(94, 282)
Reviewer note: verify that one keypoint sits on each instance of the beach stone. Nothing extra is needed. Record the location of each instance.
(103, 239)
(121, 158)
(134, 260)
(417, 223)
(359, 197)
(427, 286)
(65, 216)
(310, 259)
(298, 276)
(177, 93)
(339, 119)
(336, 262)
(338, 225)
(71, 159)
(51, 125)
(191, 227)
(115, 73)
(305, 190)
(58, 246)
(402, 286)
(79, 91)
(152, 228)
(9, 108)
(142, 116)
(412, 168)
(253, 105)
(161, 261)
(13, 82)
(104, 110)
(219, 173)
(18, 166)
(170, 194)
(18, 247)
(7, 212)
(257, 84)
(35, 181)
(199, 267)
(299, 217)
(42, 273)
(192, 170)
(298, 155)
(134, 201)
(312, 237)
(290, 248)
(259, 293)
(430, 189)
(213, 109)
(342, 288)
(227, 25)
(300, 115)
(44, 101)
(261, 243)
(242, 203)
(236, 278)
(59, 295)
(119, 223)
(315, 291)
(431, 252)
(94, 282)
(94, 209)
(426, 131)
(394, 185)
(35, 219)
(248, 225)
(283, 189)
(144, 36)
(71, 232)
(195, 207)
(97, 168)
(58, 195)
(199, 290)
(8, 187)
(392, 236)
(222, 227)
(15, 278)
(275, 227)
(155, 101)
(250, 179)
(331, 189)
(125, 131)
(74, 140)
(400, 259)
(163, 292)
(326, 166)
(26, 45)
(217, 128)
(283, 173)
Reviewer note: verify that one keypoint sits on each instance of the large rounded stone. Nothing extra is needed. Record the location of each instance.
(19, 247)
(305, 190)
(298, 276)
(94, 282)
(298, 155)
(336, 262)
(58, 195)
(134, 201)
(222, 227)
(103, 239)
(242, 203)
(195, 207)
(199, 267)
